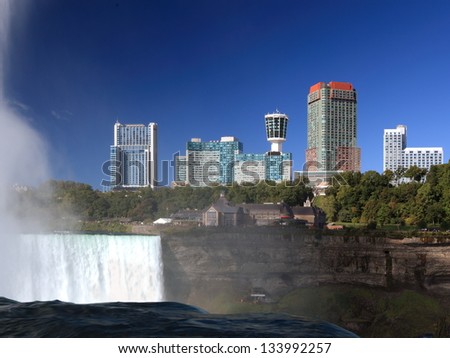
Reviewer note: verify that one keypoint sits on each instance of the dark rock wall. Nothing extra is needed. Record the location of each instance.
(208, 263)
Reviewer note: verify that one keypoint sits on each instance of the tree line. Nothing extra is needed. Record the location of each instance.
(367, 198)
(62, 199)
(411, 197)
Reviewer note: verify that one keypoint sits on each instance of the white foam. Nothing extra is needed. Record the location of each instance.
(87, 269)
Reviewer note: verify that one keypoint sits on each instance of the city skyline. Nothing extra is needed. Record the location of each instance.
(212, 69)
(224, 161)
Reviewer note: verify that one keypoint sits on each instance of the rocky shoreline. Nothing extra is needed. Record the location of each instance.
(204, 265)
(281, 260)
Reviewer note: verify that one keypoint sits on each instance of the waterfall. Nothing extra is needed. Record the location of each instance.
(86, 269)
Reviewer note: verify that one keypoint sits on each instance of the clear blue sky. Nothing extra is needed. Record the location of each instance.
(214, 68)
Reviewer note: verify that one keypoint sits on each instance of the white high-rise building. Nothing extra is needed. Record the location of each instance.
(422, 157)
(134, 156)
(396, 155)
(394, 144)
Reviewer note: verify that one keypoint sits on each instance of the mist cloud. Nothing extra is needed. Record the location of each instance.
(23, 160)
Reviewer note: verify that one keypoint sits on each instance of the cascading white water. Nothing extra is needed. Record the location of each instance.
(87, 268)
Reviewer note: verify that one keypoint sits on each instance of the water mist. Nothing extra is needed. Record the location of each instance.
(23, 159)
(76, 268)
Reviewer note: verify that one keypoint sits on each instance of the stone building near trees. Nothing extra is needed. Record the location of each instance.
(313, 216)
(223, 213)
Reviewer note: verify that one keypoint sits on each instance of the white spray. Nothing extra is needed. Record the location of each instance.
(22, 159)
(65, 267)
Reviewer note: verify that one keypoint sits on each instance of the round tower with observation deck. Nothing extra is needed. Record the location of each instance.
(276, 128)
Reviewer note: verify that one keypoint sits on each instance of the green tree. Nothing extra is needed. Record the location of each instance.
(370, 211)
(328, 205)
(434, 213)
(100, 208)
(383, 214)
(415, 173)
(389, 175)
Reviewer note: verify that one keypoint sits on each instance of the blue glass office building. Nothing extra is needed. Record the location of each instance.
(270, 166)
(210, 163)
(278, 166)
(223, 163)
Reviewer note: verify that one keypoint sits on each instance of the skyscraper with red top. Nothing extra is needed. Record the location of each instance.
(332, 144)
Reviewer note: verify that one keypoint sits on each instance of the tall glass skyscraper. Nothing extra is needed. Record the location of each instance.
(134, 156)
(332, 144)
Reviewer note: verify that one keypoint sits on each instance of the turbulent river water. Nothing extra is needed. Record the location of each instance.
(161, 319)
(71, 285)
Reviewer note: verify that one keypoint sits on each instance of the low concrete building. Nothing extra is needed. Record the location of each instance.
(223, 213)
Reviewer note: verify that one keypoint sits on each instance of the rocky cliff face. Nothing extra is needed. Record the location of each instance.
(210, 263)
